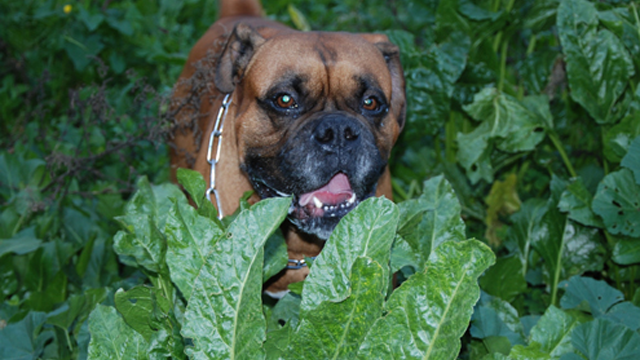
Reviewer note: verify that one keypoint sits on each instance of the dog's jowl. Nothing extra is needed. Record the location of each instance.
(312, 115)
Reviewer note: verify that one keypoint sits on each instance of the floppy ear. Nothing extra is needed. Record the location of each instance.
(235, 58)
(391, 54)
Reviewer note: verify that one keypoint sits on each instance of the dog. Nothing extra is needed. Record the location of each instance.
(313, 115)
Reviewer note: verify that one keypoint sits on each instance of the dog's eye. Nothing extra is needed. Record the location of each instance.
(286, 101)
(370, 104)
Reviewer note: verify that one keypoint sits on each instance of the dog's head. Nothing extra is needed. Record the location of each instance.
(317, 116)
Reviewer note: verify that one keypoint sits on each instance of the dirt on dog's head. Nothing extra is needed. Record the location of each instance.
(317, 116)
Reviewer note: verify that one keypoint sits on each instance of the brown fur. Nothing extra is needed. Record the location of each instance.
(248, 54)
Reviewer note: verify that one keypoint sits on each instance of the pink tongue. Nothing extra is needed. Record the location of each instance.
(336, 191)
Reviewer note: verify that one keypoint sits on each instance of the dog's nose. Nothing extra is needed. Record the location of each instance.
(337, 131)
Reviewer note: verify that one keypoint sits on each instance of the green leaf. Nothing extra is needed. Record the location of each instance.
(224, 316)
(618, 139)
(505, 279)
(496, 318)
(112, 338)
(632, 160)
(142, 243)
(505, 122)
(428, 221)
(24, 339)
(617, 201)
(80, 306)
(436, 304)
(625, 313)
(22, 243)
(598, 65)
(276, 256)
(81, 50)
(194, 183)
(368, 231)
(576, 200)
(627, 251)
(141, 307)
(335, 330)
(298, 18)
(287, 310)
(553, 331)
(430, 76)
(531, 352)
(91, 21)
(190, 239)
(601, 339)
(596, 293)
(556, 238)
(525, 227)
(502, 200)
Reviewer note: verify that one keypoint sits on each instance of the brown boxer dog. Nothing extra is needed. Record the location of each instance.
(313, 115)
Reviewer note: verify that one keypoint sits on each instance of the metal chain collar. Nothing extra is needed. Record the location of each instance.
(216, 136)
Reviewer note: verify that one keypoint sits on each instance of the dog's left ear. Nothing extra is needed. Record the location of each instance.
(235, 58)
(391, 54)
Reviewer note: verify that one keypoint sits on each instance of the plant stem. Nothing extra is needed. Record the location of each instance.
(503, 64)
(450, 138)
(556, 142)
(635, 14)
(399, 190)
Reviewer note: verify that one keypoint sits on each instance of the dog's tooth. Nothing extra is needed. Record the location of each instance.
(352, 198)
(317, 202)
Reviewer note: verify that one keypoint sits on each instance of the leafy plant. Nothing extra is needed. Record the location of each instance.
(207, 283)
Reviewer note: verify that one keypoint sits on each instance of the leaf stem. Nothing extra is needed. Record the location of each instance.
(556, 142)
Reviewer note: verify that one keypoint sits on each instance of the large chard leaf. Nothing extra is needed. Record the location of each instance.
(112, 338)
(603, 340)
(142, 243)
(335, 330)
(553, 331)
(190, 239)
(507, 123)
(367, 231)
(24, 340)
(224, 316)
(598, 65)
(617, 201)
(567, 248)
(430, 220)
(577, 201)
(429, 312)
(597, 293)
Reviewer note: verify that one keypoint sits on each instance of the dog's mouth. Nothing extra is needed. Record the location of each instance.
(317, 212)
(335, 199)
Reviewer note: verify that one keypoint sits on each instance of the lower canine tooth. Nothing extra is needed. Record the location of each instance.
(352, 199)
(317, 202)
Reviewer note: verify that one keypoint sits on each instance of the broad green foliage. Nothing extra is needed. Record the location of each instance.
(343, 310)
(522, 130)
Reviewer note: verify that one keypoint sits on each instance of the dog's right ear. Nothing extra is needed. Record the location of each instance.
(235, 58)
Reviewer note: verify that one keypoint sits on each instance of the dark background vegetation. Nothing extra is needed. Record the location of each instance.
(83, 102)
